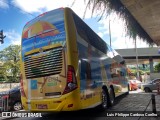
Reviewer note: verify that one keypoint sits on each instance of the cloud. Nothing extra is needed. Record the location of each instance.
(100, 34)
(3, 4)
(126, 42)
(13, 37)
(41, 6)
(118, 34)
(116, 25)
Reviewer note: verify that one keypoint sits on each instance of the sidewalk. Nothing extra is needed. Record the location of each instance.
(132, 103)
(139, 103)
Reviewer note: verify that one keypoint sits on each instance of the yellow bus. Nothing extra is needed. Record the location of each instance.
(66, 66)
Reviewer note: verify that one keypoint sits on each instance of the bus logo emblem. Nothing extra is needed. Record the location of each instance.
(41, 50)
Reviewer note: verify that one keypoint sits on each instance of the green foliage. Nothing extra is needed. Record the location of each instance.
(9, 58)
(141, 72)
(157, 67)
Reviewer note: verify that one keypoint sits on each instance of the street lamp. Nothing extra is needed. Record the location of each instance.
(137, 58)
(110, 32)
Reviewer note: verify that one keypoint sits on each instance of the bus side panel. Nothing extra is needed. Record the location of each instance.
(90, 74)
(72, 51)
(118, 72)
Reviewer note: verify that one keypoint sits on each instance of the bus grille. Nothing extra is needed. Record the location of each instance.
(49, 62)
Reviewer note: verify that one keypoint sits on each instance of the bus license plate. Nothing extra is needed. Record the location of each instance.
(42, 106)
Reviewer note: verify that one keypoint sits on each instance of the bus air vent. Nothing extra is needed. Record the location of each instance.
(41, 64)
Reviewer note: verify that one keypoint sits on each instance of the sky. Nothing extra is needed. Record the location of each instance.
(14, 14)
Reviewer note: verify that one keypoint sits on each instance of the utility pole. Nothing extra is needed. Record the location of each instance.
(2, 37)
(110, 32)
(138, 76)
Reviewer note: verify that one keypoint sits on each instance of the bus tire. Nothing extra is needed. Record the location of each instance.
(111, 97)
(104, 104)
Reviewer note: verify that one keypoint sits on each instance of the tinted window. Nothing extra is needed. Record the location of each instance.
(156, 81)
(85, 70)
(89, 35)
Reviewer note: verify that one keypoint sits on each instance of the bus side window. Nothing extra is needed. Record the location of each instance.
(85, 70)
(88, 72)
(85, 74)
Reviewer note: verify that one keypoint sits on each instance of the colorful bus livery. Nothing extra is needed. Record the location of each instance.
(65, 66)
(48, 30)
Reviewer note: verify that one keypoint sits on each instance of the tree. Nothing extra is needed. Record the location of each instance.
(157, 67)
(10, 57)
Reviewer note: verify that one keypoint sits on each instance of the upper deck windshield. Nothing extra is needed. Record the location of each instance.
(46, 29)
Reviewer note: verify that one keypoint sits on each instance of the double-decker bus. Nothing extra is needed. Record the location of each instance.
(66, 66)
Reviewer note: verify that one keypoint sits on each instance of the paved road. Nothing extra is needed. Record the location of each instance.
(133, 104)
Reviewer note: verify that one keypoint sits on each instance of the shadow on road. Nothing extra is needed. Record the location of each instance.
(88, 114)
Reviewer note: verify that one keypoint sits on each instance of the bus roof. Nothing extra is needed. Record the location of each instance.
(61, 8)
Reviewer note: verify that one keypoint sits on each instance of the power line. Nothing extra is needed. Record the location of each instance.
(17, 8)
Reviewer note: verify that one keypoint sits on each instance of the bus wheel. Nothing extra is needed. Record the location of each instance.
(112, 96)
(104, 99)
